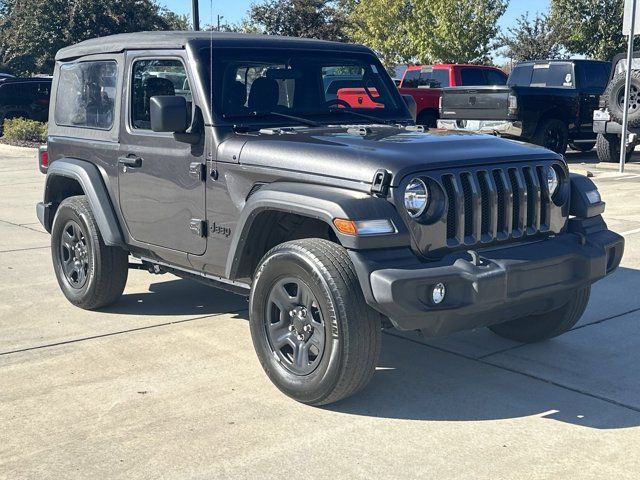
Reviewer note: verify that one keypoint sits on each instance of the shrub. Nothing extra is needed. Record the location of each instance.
(23, 130)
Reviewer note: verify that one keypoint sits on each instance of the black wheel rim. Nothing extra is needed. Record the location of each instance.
(295, 326)
(553, 139)
(74, 254)
(634, 99)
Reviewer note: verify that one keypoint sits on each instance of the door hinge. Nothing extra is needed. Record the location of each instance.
(198, 170)
(381, 182)
(198, 227)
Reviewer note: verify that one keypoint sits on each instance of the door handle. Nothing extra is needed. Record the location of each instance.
(131, 162)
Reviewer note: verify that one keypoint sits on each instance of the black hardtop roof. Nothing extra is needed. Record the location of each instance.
(179, 39)
(561, 60)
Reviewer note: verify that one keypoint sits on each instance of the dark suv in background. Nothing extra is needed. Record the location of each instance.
(24, 98)
(546, 102)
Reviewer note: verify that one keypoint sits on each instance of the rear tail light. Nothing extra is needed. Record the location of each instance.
(43, 158)
(513, 104)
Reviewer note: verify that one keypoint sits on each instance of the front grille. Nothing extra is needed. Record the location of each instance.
(495, 203)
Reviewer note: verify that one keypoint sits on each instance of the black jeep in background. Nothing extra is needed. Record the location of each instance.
(24, 98)
(547, 102)
(607, 119)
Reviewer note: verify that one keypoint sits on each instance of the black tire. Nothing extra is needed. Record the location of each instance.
(552, 134)
(429, 120)
(583, 146)
(608, 148)
(98, 275)
(535, 328)
(613, 98)
(327, 294)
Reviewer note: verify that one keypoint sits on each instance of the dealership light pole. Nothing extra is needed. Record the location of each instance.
(195, 11)
(628, 28)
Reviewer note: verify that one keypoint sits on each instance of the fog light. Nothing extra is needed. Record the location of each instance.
(593, 196)
(438, 292)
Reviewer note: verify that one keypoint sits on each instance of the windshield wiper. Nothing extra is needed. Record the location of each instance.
(255, 113)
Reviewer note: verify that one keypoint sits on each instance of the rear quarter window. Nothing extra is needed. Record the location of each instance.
(86, 95)
(472, 77)
(594, 76)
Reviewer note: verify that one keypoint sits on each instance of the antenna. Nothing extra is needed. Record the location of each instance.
(195, 9)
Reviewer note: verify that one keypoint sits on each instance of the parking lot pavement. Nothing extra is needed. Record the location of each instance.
(165, 383)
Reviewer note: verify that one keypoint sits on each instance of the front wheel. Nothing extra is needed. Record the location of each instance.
(90, 274)
(608, 148)
(535, 328)
(314, 334)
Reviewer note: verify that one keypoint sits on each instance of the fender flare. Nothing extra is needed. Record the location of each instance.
(89, 178)
(321, 202)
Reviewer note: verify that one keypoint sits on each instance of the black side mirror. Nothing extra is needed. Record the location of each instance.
(411, 105)
(169, 114)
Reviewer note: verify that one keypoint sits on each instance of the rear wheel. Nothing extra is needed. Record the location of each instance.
(608, 148)
(90, 274)
(315, 336)
(547, 325)
(552, 134)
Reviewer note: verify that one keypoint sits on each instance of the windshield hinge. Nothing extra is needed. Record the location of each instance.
(198, 170)
(381, 182)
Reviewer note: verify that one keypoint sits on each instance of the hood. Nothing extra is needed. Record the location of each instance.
(356, 153)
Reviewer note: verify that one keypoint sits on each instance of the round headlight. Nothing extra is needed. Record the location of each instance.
(553, 182)
(416, 197)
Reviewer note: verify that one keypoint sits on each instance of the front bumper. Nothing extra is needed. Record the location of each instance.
(493, 127)
(505, 283)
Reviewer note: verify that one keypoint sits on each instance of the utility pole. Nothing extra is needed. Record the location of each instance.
(631, 9)
(195, 10)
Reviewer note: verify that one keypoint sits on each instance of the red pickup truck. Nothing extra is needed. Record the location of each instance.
(425, 82)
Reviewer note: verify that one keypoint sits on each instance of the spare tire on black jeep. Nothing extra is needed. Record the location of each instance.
(613, 98)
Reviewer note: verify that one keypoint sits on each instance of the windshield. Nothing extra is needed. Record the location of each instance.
(272, 86)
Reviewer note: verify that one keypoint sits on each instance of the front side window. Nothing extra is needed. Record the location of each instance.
(156, 77)
(86, 94)
(267, 85)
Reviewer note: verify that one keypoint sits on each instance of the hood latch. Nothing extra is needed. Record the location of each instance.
(380, 183)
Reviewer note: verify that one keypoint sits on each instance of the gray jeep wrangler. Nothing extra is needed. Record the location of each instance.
(292, 171)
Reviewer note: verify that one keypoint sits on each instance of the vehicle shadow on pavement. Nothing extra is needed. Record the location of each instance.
(178, 297)
(587, 377)
(414, 382)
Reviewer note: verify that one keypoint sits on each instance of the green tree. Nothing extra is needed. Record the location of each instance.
(590, 27)
(381, 25)
(530, 39)
(31, 31)
(298, 18)
(455, 31)
(427, 30)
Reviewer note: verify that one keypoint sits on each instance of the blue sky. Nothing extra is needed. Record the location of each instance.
(234, 10)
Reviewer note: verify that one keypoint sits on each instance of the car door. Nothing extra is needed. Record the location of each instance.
(160, 179)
